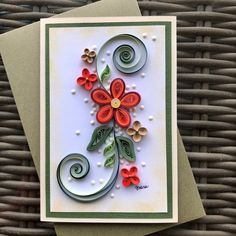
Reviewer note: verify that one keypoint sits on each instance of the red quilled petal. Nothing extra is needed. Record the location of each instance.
(85, 73)
(130, 99)
(126, 182)
(81, 81)
(133, 171)
(117, 88)
(124, 173)
(88, 85)
(92, 78)
(101, 96)
(122, 117)
(105, 114)
(134, 180)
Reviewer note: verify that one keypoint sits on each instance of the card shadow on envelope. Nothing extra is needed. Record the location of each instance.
(20, 53)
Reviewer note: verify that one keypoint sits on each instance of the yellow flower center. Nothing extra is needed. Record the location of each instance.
(115, 103)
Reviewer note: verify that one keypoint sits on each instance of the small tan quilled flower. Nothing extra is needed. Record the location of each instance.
(88, 55)
(137, 131)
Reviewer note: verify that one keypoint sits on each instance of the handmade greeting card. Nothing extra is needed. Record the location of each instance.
(108, 120)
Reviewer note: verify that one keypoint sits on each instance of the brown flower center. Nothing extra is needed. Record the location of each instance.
(115, 103)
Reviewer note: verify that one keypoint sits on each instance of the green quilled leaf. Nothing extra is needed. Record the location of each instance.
(110, 161)
(109, 150)
(98, 137)
(126, 148)
(105, 73)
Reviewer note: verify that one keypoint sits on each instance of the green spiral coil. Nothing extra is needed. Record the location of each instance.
(79, 170)
(129, 53)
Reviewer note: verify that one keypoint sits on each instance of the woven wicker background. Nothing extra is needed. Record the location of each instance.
(206, 114)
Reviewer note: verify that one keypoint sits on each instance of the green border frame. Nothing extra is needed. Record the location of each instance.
(114, 215)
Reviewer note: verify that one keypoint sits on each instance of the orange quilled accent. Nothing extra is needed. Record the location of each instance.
(115, 104)
(87, 80)
(130, 176)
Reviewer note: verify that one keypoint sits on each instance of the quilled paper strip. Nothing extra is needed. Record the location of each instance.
(115, 104)
(83, 164)
(126, 148)
(130, 176)
(137, 131)
(98, 137)
(129, 55)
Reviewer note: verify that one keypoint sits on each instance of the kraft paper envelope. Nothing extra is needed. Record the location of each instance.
(20, 52)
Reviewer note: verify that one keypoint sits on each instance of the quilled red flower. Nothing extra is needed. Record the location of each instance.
(86, 79)
(115, 104)
(130, 176)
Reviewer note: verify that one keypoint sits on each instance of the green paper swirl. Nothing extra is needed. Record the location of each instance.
(129, 53)
(124, 53)
(78, 171)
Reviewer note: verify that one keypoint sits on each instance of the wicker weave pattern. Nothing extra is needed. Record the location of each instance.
(206, 114)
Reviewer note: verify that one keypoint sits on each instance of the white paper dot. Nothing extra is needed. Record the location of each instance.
(73, 91)
(143, 164)
(142, 107)
(92, 122)
(150, 118)
(143, 75)
(103, 60)
(117, 186)
(99, 164)
(127, 87)
(138, 149)
(108, 53)
(91, 113)
(86, 100)
(69, 179)
(99, 150)
(112, 195)
(121, 162)
(95, 109)
(77, 132)
(94, 47)
(101, 181)
(133, 86)
(154, 38)
(134, 114)
(93, 182)
(144, 35)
